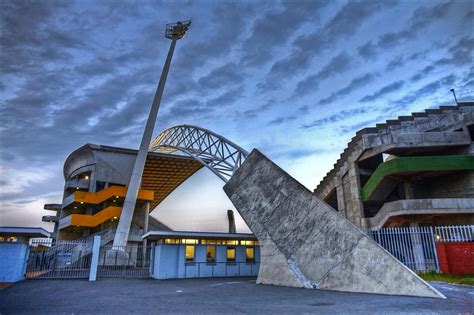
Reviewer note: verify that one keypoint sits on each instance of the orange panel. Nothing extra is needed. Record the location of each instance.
(96, 219)
(101, 196)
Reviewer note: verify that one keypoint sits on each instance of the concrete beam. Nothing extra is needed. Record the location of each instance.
(420, 207)
(306, 243)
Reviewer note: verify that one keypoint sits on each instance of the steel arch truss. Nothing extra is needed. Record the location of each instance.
(215, 152)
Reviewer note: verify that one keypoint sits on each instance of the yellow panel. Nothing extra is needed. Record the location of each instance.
(110, 192)
(96, 219)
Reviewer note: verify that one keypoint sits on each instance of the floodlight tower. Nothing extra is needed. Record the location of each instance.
(174, 31)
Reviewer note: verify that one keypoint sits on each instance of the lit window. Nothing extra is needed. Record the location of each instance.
(230, 253)
(189, 241)
(248, 242)
(210, 254)
(2, 239)
(189, 252)
(171, 241)
(250, 254)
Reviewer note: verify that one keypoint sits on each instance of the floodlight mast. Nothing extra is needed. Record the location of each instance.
(174, 31)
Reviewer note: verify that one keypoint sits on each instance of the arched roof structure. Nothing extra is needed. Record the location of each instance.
(217, 153)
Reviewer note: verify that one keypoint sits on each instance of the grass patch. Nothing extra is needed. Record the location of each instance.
(441, 277)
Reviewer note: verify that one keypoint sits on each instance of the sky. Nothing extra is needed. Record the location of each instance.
(294, 79)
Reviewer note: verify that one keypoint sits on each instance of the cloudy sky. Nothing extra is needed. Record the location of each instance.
(294, 79)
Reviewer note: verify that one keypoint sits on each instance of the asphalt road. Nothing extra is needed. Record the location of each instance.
(214, 296)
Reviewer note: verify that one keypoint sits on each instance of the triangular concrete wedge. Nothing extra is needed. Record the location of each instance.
(306, 243)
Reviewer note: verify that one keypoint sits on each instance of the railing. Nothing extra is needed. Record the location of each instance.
(63, 259)
(454, 233)
(220, 269)
(131, 261)
(413, 246)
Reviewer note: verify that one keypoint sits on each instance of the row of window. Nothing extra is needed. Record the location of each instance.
(211, 254)
(8, 239)
(207, 242)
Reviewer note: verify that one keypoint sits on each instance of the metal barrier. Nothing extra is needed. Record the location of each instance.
(463, 233)
(413, 246)
(131, 261)
(59, 260)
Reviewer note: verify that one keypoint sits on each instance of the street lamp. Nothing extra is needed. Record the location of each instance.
(174, 31)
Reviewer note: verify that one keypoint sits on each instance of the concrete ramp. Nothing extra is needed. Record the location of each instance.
(306, 243)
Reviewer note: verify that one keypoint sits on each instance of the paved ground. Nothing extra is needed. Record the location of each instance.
(216, 295)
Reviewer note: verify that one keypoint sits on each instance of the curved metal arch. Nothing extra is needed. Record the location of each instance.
(217, 153)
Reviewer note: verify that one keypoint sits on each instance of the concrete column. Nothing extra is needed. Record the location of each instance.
(145, 229)
(126, 216)
(95, 258)
(408, 190)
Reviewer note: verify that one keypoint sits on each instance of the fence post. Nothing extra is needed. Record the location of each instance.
(95, 258)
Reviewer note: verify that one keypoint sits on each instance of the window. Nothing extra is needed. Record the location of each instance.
(244, 242)
(189, 252)
(250, 254)
(189, 241)
(171, 241)
(210, 254)
(230, 254)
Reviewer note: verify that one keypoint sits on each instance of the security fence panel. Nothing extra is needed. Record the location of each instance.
(58, 260)
(413, 246)
(131, 261)
(464, 233)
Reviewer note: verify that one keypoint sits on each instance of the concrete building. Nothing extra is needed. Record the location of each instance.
(95, 186)
(415, 170)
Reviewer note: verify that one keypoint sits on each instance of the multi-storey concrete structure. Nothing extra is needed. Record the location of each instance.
(414, 170)
(95, 186)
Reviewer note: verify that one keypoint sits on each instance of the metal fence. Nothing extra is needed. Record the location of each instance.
(416, 246)
(463, 233)
(61, 259)
(413, 246)
(131, 261)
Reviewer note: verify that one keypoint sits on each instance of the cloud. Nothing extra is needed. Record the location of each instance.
(395, 86)
(355, 84)
(344, 114)
(420, 19)
(367, 51)
(337, 65)
(343, 25)
(228, 74)
(259, 46)
(281, 120)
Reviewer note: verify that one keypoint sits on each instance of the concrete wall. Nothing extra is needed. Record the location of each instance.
(306, 243)
(13, 259)
(169, 263)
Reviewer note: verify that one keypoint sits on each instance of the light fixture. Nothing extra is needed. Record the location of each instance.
(75, 207)
(115, 218)
(82, 202)
(77, 187)
(116, 197)
(115, 200)
(86, 177)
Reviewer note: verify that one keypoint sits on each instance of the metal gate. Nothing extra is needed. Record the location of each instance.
(131, 261)
(413, 246)
(58, 260)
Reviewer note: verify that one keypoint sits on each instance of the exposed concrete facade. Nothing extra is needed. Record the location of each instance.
(407, 197)
(94, 169)
(305, 243)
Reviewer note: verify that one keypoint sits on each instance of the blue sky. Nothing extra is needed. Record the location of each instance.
(294, 79)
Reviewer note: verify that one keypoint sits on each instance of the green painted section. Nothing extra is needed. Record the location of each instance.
(415, 164)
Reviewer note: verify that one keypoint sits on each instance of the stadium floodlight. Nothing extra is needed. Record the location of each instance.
(177, 30)
(174, 31)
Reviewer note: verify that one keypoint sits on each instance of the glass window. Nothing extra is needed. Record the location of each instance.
(246, 242)
(230, 253)
(189, 252)
(210, 253)
(189, 241)
(250, 254)
(171, 241)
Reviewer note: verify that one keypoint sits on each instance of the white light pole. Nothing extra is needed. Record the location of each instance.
(174, 31)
